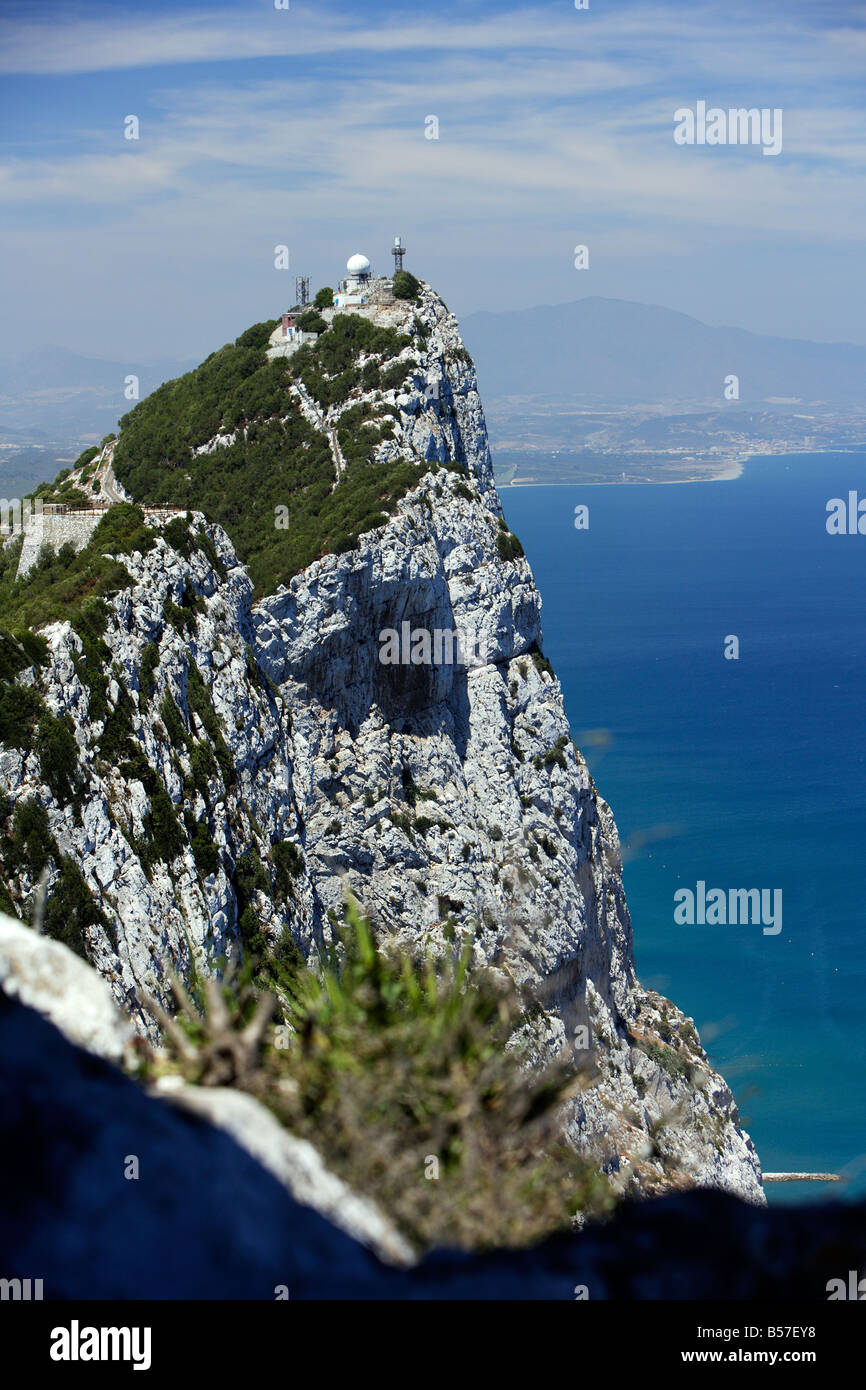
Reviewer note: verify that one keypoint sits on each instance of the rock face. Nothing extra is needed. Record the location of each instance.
(48, 977)
(449, 797)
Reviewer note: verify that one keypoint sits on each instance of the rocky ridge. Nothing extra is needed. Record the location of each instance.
(281, 761)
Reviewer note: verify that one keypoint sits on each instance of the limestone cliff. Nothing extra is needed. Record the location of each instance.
(270, 758)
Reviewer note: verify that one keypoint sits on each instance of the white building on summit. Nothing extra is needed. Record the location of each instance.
(359, 292)
(352, 292)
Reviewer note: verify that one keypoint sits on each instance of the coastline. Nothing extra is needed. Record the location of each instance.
(732, 472)
(728, 472)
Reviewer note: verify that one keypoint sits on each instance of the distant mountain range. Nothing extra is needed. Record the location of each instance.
(596, 350)
(591, 352)
(53, 393)
(617, 351)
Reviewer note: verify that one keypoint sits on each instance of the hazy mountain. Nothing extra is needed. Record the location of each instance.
(61, 395)
(618, 351)
(54, 368)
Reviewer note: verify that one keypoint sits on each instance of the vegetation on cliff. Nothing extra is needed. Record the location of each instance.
(62, 581)
(272, 484)
(28, 847)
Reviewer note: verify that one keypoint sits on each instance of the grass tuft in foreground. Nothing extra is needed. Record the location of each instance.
(409, 1078)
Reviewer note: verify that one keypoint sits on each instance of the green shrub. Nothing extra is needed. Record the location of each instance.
(177, 534)
(163, 833)
(20, 708)
(62, 584)
(57, 751)
(423, 824)
(556, 754)
(116, 740)
(288, 863)
(461, 354)
(311, 322)
(508, 546)
(147, 667)
(172, 721)
(200, 703)
(70, 910)
(61, 490)
(7, 904)
(250, 877)
(404, 822)
(91, 622)
(406, 286)
(31, 844)
(203, 765)
(20, 650)
(392, 377)
(206, 545)
(121, 531)
(324, 298)
(204, 851)
(180, 617)
(676, 1068)
(542, 664)
(371, 375)
(136, 766)
(257, 336)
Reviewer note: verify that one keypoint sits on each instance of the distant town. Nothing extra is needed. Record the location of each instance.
(538, 441)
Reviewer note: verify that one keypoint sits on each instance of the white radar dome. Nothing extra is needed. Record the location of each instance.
(357, 265)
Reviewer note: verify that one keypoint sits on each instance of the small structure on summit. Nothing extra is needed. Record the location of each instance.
(352, 291)
(360, 291)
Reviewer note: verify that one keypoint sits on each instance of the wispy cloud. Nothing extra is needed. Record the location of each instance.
(734, 40)
(130, 39)
(493, 157)
(554, 125)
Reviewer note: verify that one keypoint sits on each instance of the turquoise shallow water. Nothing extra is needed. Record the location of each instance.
(743, 774)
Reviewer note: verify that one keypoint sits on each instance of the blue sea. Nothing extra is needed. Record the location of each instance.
(739, 773)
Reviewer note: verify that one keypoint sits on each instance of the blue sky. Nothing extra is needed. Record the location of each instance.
(306, 127)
